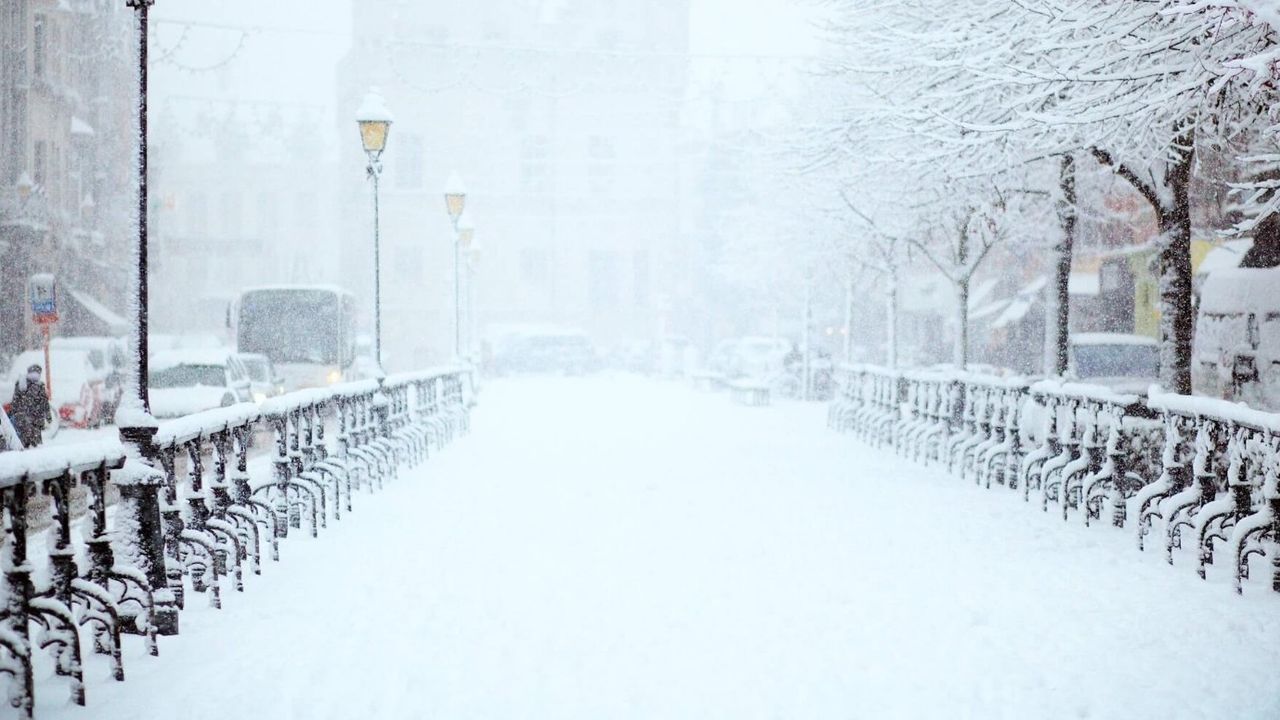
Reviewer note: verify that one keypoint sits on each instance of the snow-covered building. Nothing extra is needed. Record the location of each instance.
(66, 159)
(563, 119)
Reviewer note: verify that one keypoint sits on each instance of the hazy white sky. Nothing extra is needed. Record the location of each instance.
(298, 66)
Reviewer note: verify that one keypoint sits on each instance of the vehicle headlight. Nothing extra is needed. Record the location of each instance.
(333, 377)
(259, 397)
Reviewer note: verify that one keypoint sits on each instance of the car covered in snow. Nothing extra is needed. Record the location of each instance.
(1123, 362)
(183, 382)
(758, 357)
(1235, 354)
(567, 352)
(264, 382)
(109, 356)
(78, 386)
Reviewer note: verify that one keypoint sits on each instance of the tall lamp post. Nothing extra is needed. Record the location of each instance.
(139, 495)
(375, 121)
(461, 246)
(455, 201)
(140, 418)
(473, 264)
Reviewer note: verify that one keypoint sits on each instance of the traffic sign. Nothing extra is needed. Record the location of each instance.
(43, 291)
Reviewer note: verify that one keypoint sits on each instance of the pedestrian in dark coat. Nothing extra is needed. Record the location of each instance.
(30, 410)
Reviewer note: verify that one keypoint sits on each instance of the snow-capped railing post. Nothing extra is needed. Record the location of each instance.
(142, 540)
(190, 521)
(49, 589)
(16, 638)
(280, 466)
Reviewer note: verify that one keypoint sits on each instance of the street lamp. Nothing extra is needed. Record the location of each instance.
(375, 121)
(455, 201)
(473, 264)
(139, 498)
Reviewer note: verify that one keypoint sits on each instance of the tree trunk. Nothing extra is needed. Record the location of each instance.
(1057, 328)
(962, 331)
(1176, 321)
(891, 324)
(848, 321)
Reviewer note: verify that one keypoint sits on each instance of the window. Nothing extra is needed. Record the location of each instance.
(39, 161)
(407, 263)
(533, 266)
(268, 217)
(1112, 277)
(409, 162)
(198, 216)
(600, 168)
(16, 125)
(603, 279)
(232, 214)
(39, 47)
(307, 208)
(640, 281)
(534, 162)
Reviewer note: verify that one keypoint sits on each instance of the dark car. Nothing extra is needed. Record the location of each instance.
(564, 353)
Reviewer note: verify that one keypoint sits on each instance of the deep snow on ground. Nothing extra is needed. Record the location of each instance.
(621, 548)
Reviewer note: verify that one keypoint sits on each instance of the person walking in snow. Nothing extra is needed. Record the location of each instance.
(30, 406)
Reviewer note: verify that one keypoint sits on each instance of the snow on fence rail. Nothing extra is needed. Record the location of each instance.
(187, 513)
(1190, 471)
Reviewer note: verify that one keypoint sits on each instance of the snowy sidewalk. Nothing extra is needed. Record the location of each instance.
(617, 548)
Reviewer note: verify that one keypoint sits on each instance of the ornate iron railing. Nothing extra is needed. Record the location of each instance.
(1190, 470)
(192, 512)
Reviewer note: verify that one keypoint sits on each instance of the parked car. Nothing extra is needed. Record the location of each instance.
(109, 356)
(759, 357)
(721, 358)
(1236, 348)
(1121, 361)
(183, 382)
(263, 380)
(548, 351)
(78, 387)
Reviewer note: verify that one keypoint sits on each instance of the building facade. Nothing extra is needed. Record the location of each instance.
(67, 149)
(563, 120)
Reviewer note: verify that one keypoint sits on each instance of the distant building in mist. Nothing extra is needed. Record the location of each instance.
(563, 119)
(244, 195)
(67, 149)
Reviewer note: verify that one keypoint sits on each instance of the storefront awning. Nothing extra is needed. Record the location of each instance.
(96, 319)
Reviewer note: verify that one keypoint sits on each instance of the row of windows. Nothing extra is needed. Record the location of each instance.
(604, 274)
(225, 214)
(408, 162)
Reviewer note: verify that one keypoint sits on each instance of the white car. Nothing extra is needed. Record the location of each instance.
(183, 382)
(264, 382)
(759, 357)
(78, 387)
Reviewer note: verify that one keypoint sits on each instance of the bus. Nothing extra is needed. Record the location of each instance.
(308, 332)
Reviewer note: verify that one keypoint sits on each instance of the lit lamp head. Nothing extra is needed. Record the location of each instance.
(466, 231)
(25, 186)
(455, 198)
(375, 122)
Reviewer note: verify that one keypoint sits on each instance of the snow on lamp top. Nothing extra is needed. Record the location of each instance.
(375, 121)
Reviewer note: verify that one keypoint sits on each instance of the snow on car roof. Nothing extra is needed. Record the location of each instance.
(337, 289)
(1241, 290)
(1112, 339)
(166, 359)
(1226, 256)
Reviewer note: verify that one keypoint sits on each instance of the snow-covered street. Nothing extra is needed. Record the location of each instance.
(614, 547)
